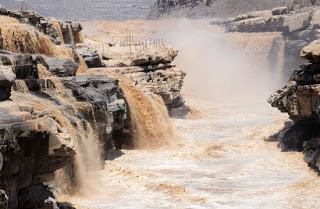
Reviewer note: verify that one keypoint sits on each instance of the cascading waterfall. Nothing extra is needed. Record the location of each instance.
(20, 86)
(150, 121)
(57, 25)
(89, 149)
(151, 127)
(71, 36)
(23, 38)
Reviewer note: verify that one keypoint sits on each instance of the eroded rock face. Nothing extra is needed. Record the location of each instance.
(281, 19)
(150, 69)
(209, 8)
(298, 27)
(7, 78)
(62, 32)
(151, 55)
(92, 58)
(32, 142)
(300, 99)
(33, 147)
(109, 107)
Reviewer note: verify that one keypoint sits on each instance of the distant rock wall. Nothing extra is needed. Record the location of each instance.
(299, 26)
(112, 10)
(209, 8)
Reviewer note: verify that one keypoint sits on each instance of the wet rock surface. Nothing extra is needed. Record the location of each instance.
(59, 31)
(33, 142)
(300, 99)
(92, 58)
(37, 145)
(7, 78)
(48, 109)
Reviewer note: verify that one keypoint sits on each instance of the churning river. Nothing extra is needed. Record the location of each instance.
(224, 154)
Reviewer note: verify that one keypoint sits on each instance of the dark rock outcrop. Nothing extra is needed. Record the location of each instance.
(33, 144)
(7, 78)
(300, 99)
(32, 147)
(92, 58)
(61, 67)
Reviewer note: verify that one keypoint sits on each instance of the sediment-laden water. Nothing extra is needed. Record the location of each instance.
(222, 157)
(224, 154)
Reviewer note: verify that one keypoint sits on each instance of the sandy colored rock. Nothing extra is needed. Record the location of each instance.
(312, 52)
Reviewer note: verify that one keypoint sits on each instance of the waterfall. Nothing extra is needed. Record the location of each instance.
(150, 121)
(20, 86)
(71, 36)
(57, 25)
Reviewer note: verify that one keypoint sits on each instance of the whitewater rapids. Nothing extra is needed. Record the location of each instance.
(224, 154)
(222, 157)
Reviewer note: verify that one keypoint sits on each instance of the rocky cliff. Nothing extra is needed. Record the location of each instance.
(300, 99)
(298, 24)
(46, 113)
(210, 8)
(60, 119)
(65, 32)
(149, 67)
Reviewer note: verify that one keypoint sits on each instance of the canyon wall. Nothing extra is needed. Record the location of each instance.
(300, 99)
(112, 10)
(209, 8)
(298, 27)
(59, 119)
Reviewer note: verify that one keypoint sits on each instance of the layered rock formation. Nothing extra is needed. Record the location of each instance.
(66, 32)
(46, 112)
(298, 24)
(35, 141)
(150, 68)
(209, 8)
(300, 99)
(57, 114)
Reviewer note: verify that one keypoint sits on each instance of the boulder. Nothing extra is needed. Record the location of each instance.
(7, 77)
(298, 22)
(61, 67)
(315, 18)
(91, 58)
(280, 11)
(152, 55)
(312, 52)
(258, 24)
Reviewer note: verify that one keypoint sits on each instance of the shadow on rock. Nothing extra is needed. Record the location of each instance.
(114, 154)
